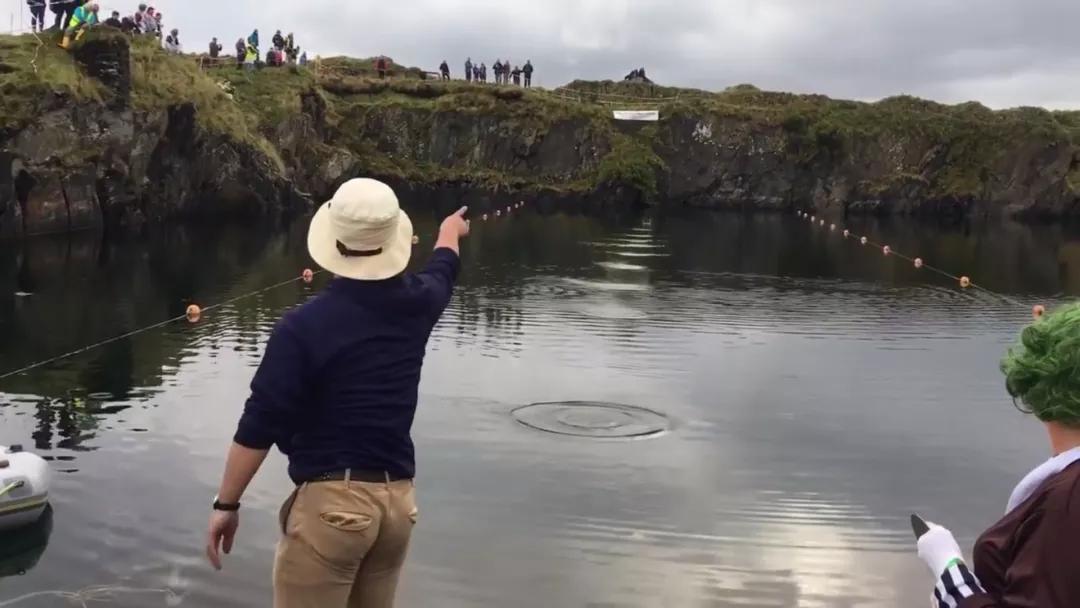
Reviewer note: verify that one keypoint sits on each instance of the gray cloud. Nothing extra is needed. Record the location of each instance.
(1000, 52)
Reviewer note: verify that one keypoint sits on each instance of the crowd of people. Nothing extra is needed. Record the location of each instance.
(283, 51)
(74, 17)
(504, 72)
(637, 75)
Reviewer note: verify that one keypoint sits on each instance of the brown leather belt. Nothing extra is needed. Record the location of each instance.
(365, 475)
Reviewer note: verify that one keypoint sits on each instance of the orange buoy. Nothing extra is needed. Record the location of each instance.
(1038, 311)
(965, 282)
(862, 241)
(193, 313)
(918, 262)
(886, 250)
(847, 233)
(307, 275)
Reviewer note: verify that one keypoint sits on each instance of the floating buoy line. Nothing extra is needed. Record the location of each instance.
(963, 281)
(193, 313)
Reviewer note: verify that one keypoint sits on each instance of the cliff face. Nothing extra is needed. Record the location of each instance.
(119, 133)
(94, 160)
(742, 149)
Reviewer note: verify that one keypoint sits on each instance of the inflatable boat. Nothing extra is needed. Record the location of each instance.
(24, 487)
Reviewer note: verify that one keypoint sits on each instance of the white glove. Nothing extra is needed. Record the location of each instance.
(938, 548)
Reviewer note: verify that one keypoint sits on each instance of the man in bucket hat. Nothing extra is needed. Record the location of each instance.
(336, 392)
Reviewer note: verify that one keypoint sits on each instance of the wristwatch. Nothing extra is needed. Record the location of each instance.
(225, 506)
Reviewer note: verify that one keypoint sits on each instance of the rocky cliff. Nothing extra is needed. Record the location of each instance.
(114, 135)
(120, 133)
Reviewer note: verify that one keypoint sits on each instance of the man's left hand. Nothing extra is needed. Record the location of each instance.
(220, 535)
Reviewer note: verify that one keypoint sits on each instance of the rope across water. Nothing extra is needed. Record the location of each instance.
(964, 281)
(195, 312)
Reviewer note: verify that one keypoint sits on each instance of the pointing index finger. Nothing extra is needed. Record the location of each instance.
(461, 212)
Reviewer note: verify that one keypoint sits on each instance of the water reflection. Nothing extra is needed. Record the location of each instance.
(20, 550)
(798, 370)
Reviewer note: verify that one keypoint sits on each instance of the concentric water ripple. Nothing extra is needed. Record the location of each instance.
(592, 419)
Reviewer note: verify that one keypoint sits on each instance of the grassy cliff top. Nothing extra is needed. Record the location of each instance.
(250, 105)
(28, 70)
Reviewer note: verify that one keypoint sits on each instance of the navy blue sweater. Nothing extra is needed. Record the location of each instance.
(337, 385)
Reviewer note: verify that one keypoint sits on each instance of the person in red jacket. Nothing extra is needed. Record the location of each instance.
(380, 66)
(1031, 557)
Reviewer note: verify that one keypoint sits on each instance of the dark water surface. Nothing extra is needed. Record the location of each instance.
(817, 393)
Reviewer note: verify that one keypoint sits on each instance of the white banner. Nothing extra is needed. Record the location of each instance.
(649, 115)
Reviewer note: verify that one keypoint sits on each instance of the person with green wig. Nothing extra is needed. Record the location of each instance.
(1031, 557)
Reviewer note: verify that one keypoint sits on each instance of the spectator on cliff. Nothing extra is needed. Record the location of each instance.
(253, 40)
(149, 24)
(215, 48)
(172, 42)
(241, 51)
(251, 56)
(303, 59)
(291, 53)
(517, 75)
(64, 9)
(128, 26)
(84, 17)
(380, 66)
(444, 69)
(290, 42)
(57, 8)
(483, 72)
(278, 40)
(527, 71)
(139, 17)
(37, 15)
(114, 20)
(159, 23)
(468, 69)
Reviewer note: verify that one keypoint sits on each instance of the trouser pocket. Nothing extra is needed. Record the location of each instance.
(335, 522)
(286, 507)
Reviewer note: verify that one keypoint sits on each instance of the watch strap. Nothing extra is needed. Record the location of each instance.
(226, 506)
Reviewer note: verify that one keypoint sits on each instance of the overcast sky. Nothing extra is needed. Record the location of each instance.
(1001, 52)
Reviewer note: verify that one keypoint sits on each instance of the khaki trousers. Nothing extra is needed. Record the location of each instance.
(344, 544)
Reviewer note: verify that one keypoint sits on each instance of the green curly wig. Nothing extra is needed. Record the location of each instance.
(1043, 370)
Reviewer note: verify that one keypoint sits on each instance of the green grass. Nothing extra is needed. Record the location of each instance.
(160, 80)
(22, 88)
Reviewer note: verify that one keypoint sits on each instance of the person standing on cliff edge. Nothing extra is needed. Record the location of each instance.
(336, 391)
(215, 48)
(527, 71)
(37, 15)
(468, 69)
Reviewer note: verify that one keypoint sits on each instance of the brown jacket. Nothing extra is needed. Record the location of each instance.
(1031, 558)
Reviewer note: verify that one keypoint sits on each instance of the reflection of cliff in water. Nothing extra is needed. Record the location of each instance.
(58, 294)
(21, 549)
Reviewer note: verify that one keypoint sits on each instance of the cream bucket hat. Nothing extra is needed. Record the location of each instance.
(361, 233)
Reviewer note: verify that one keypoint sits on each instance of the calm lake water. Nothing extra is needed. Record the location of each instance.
(818, 392)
